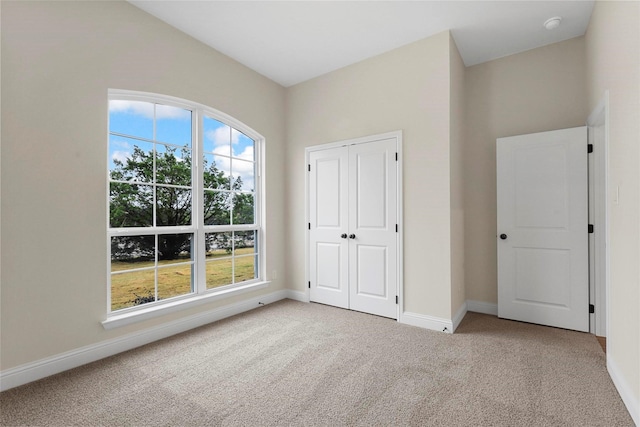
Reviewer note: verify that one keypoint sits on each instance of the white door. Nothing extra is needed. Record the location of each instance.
(372, 228)
(328, 227)
(352, 227)
(543, 272)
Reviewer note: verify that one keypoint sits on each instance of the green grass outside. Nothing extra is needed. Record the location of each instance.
(176, 280)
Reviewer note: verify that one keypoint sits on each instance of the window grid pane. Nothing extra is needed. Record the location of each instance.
(150, 161)
(150, 268)
(173, 206)
(175, 280)
(130, 205)
(172, 165)
(151, 185)
(132, 288)
(231, 258)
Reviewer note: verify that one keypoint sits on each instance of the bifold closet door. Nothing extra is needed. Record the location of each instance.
(353, 234)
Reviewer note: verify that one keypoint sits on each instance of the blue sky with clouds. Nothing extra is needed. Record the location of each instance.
(232, 151)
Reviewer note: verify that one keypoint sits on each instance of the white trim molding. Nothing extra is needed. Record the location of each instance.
(434, 323)
(301, 296)
(427, 322)
(599, 215)
(39, 369)
(482, 307)
(457, 318)
(128, 318)
(624, 390)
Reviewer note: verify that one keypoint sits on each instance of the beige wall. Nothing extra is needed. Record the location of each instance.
(406, 89)
(613, 64)
(538, 90)
(456, 149)
(58, 60)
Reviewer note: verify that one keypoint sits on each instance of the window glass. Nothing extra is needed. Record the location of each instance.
(245, 268)
(133, 271)
(132, 288)
(159, 207)
(132, 252)
(173, 165)
(217, 172)
(173, 206)
(133, 118)
(243, 208)
(217, 137)
(173, 125)
(174, 280)
(243, 175)
(130, 205)
(174, 248)
(219, 272)
(130, 159)
(242, 145)
(217, 207)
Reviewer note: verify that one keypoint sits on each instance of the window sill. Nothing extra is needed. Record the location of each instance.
(118, 320)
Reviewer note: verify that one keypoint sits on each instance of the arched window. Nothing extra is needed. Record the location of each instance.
(185, 202)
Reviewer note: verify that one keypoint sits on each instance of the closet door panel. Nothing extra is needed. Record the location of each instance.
(328, 225)
(372, 223)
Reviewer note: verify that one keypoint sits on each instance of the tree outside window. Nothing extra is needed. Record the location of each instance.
(157, 241)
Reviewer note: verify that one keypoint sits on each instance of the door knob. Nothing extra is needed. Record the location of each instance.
(503, 236)
(343, 235)
(352, 236)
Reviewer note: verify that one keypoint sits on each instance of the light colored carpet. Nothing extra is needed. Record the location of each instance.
(291, 363)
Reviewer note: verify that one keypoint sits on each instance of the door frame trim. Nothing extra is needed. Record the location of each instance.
(399, 235)
(599, 284)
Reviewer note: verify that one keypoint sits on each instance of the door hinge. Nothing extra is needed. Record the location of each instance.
(396, 228)
(396, 157)
(309, 226)
(396, 299)
(309, 167)
(309, 284)
(592, 308)
(589, 148)
(590, 228)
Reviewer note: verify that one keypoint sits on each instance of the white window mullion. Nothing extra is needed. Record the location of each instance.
(259, 218)
(109, 261)
(233, 257)
(200, 255)
(229, 228)
(154, 175)
(155, 274)
(232, 192)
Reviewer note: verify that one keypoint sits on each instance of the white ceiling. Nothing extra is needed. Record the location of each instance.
(293, 41)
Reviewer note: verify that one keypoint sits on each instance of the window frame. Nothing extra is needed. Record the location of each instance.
(199, 292)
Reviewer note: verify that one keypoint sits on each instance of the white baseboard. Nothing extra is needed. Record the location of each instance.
(434, 323)
(52, 365)
(427, 322)
(624, 390)
(301, 296)
(482, 307)
(462, 311)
